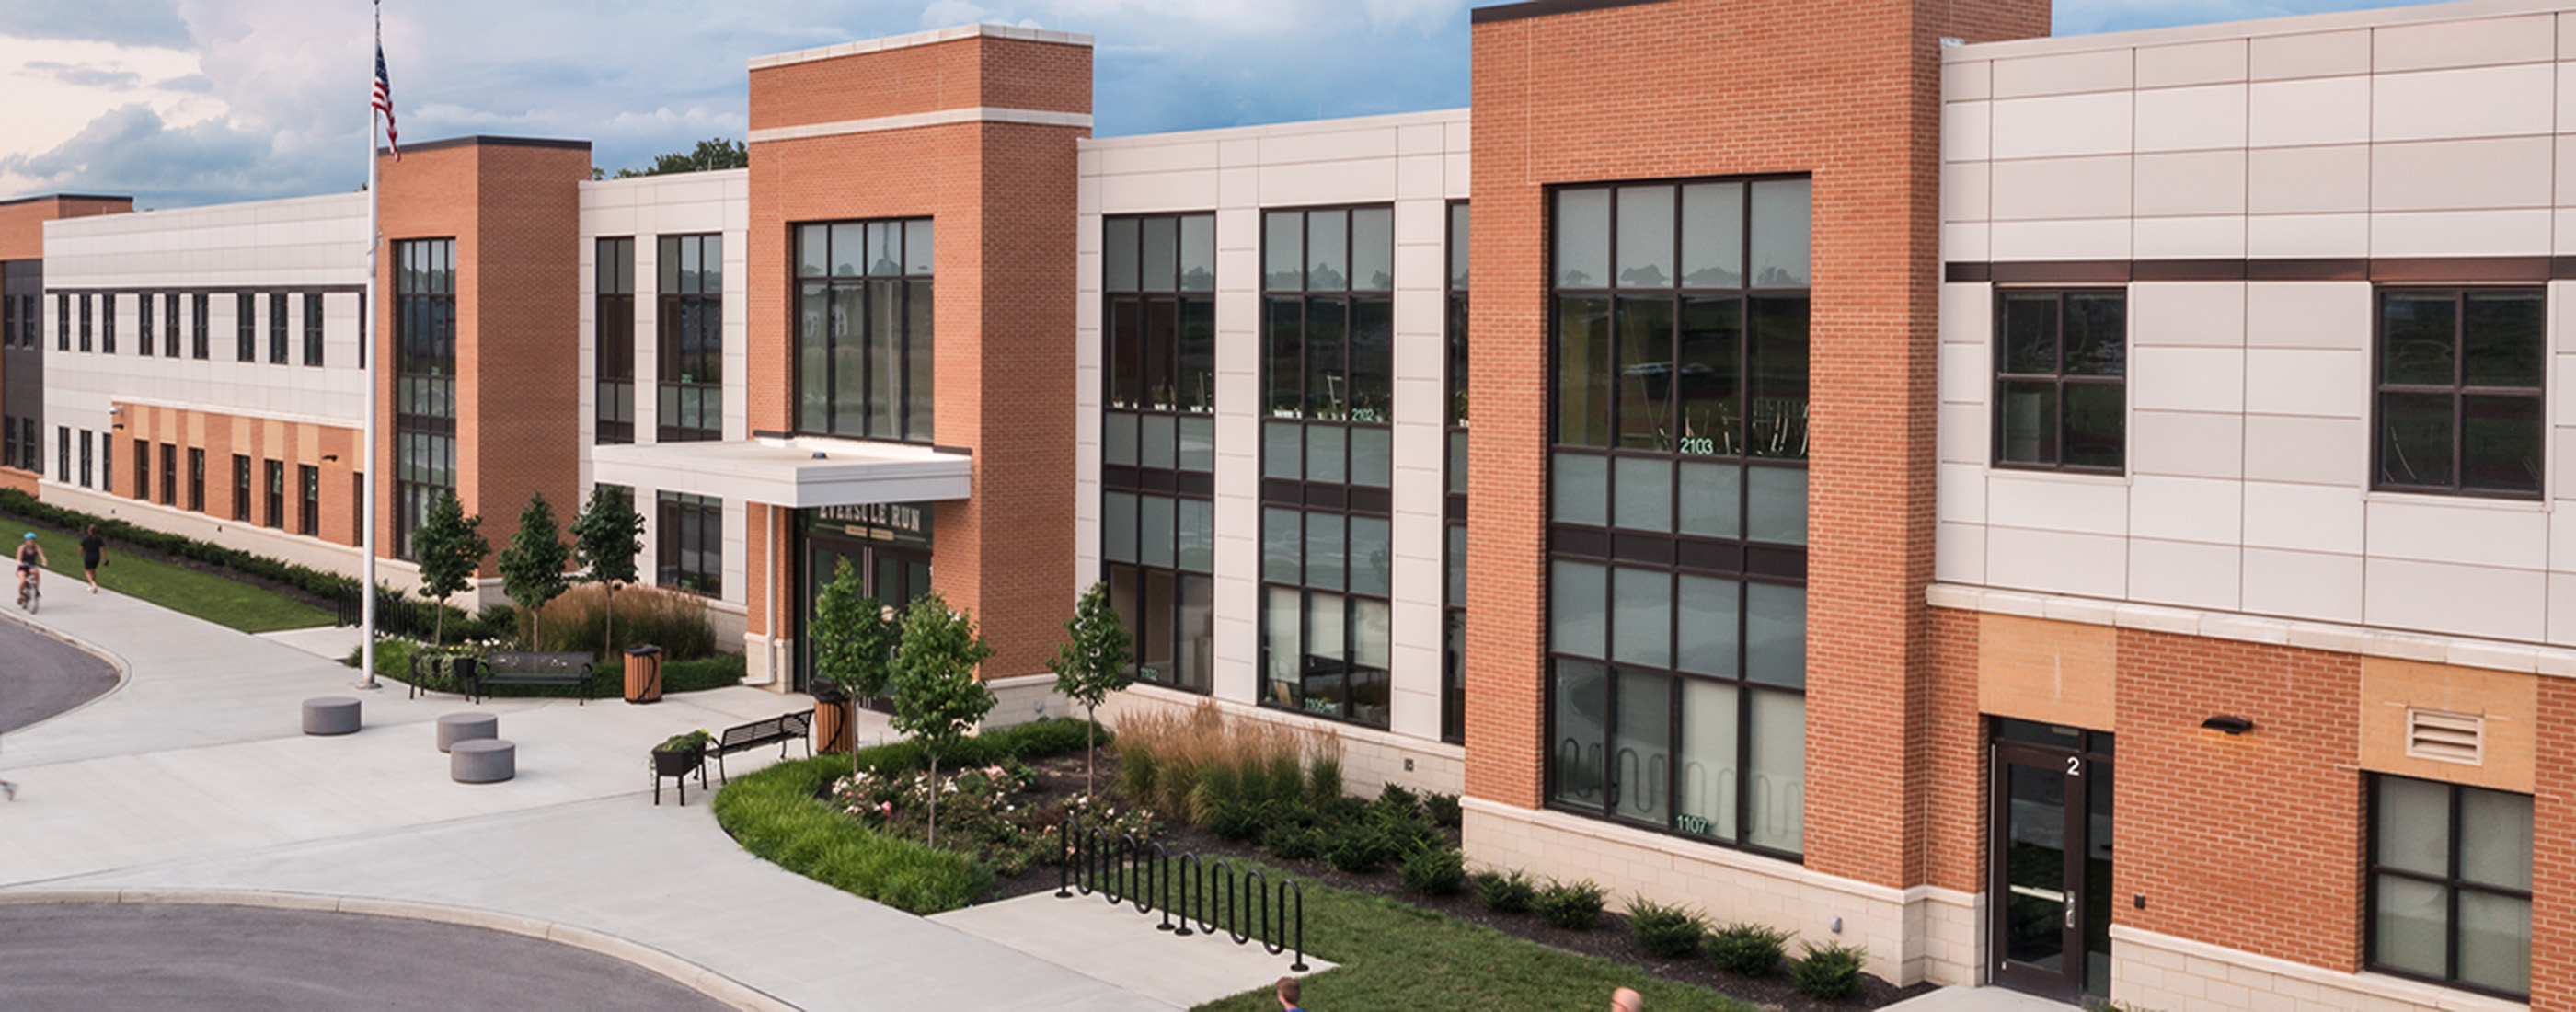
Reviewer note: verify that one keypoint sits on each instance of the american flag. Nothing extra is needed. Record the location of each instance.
(384, 103)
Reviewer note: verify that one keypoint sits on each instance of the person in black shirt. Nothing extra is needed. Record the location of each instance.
(91, 547)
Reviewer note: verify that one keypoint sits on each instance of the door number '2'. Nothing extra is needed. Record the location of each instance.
(2075, 766)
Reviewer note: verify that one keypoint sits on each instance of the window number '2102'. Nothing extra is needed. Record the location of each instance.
(1699, 445)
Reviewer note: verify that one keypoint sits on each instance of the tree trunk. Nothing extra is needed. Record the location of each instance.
(934, 799)
(1090, 747)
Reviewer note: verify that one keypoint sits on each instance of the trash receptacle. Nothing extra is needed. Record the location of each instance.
(644, 674)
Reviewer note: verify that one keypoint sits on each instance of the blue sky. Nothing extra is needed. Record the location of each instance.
(189, 102)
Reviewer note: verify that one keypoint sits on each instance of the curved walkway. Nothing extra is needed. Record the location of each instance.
(194, 777)
(41, 676)
(207, 958)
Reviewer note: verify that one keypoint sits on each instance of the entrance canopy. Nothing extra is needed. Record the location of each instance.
(799, 473)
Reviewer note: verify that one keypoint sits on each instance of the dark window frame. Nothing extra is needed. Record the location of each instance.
(200, 319)
(313, 317)
(613, 341)
(1453, 555)
(169, 474)
(1672, 552)
(85, 459)
(170, 325)
(2458, 390)
(2451, 883)
(2058, 379)
(688, 328)
(85, 304)
(143, 330)
(142, 470)
(63, 454)
(106, 323)
(679, 520)
(277, 327)
(308, 505)
(819, 409)
(274, 471)
(424, 381)
(241, 487)
(245, 327)
(197, 479)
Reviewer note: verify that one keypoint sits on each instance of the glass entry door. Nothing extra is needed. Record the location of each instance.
(892, 574)
(2051, 916)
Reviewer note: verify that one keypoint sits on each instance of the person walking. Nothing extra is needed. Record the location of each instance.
(1626, 1000)
(93, 548)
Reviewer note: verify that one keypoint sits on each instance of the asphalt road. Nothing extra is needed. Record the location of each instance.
(41, 676)
(147, 958)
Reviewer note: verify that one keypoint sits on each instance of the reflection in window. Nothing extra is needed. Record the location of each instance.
(2060, 394)
(864, 329)
(2450, 884)
(424, 380)
(689, 354)
(2459, 391)
(1680, 430)
(613, 342)
(689, 543)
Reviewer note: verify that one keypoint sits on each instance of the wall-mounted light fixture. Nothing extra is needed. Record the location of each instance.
(330, 458)
(2228, 724)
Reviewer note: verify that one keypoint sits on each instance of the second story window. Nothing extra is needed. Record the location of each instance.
(864, 329)
(690, 353)
(312, 330)
(2459, 405)
(245, 327)
(170, 324)
(613, 344)
(2061, 358)
(277, 325)
(1158, 441)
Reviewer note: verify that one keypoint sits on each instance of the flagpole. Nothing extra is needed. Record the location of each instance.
(368, 354)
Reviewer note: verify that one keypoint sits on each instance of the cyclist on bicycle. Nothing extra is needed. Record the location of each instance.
(30, 555)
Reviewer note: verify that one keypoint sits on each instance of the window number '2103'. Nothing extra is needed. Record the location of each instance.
(1699, 445)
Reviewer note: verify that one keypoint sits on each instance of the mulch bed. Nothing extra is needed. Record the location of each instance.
(1609, 940)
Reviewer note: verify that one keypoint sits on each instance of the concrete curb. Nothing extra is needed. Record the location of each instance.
(124, 671)
(687, 974)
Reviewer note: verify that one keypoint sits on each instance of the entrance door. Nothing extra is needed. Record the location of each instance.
(2052, 861)
(891, 574)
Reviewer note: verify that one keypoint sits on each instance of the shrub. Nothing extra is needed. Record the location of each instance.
(1294, 842)
(1667, 932)
(1395, 798)
(1361, 847)
(1442, 810)
(1404, 833)
(1434, 872)
(1573, 906)
(1746, 950)
(304, 578)
(1506, 892)
(1828, 971)
(673, 620)
(1238, 820)
(1040, 739)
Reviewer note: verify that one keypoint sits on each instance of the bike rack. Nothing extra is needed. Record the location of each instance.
(1212, 895)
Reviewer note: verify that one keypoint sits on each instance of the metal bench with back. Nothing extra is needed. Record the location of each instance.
(532, 667)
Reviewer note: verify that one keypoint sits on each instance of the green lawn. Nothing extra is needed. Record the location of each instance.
(1395, 956)
(204, 595)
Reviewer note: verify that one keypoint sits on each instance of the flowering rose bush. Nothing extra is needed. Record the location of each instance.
(979, 812)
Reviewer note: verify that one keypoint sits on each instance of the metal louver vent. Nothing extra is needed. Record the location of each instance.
(2446, 737)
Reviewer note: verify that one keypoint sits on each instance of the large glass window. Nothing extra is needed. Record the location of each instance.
(613, 345)
(2459, 391)
(106, 323)
(1158, 441)
(200, 318)
(689, 356)
(1678, 506)
(241, 487)
(308, 500)
(863, 329)
(197, 479)
(1328, 385)
(2450, 884)
(424, 380)
(169, 474)
(689, 543)
(276, 515)
(84, 322)
(2060, 392)
(1453, 639)
(170, 324)
(143, 323)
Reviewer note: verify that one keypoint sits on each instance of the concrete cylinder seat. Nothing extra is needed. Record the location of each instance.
(331, 715)
(482, 761)
(456, 727)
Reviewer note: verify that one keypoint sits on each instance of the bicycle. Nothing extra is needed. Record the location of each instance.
(30, 591)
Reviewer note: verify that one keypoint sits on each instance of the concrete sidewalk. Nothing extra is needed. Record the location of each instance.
(194, 775)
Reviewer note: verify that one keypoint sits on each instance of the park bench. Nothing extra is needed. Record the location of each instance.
(784, 728)
(533, 667)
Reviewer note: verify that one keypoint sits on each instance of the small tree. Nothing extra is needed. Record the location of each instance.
(937, 698)
(532, 568)
(854, 639)
(605, 538)
(1091, 664)
(450, 547)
